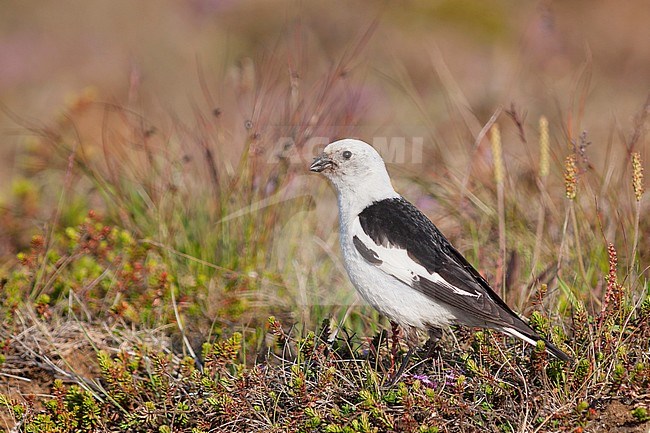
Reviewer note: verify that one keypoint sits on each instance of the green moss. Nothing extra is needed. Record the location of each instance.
(641, 414)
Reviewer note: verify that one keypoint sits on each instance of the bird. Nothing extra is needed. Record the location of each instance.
(400, 262)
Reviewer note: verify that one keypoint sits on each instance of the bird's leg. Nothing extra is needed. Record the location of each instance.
(394, 340)
(405, 361)
(435, 335)
(411, 338)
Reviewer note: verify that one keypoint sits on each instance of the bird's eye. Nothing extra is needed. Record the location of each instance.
(347, 154)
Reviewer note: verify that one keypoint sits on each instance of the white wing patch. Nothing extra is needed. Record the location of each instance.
(396, 262)
(515, 333)
(436, 278)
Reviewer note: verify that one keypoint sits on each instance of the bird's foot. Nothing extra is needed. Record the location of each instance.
(402, 368)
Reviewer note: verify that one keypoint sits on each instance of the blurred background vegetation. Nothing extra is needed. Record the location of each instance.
(154, 154)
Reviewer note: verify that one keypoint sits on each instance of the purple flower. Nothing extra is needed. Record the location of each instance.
(425, 380)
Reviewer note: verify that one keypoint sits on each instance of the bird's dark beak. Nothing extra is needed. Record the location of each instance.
(321, 162)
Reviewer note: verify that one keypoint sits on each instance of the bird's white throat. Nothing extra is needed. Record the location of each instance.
(356, 192)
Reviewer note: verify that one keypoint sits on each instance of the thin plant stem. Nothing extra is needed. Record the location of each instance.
(637, 185)
(502, 236)
(576, 234)
(635, 239)
(560, 255)
(497, 156)
(539, 232)
(541, 185)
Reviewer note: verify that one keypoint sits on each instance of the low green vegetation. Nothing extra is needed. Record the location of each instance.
(196, 289)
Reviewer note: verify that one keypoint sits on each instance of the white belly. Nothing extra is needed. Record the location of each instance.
(391, 297)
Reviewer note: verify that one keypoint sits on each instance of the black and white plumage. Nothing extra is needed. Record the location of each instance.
(397, 258)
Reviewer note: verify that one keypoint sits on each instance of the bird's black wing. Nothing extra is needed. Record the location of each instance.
(399, 239)
(452, 280)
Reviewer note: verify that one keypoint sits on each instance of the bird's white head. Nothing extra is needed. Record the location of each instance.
(357, 172)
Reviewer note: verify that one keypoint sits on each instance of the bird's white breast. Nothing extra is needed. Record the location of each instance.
(392, 297)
